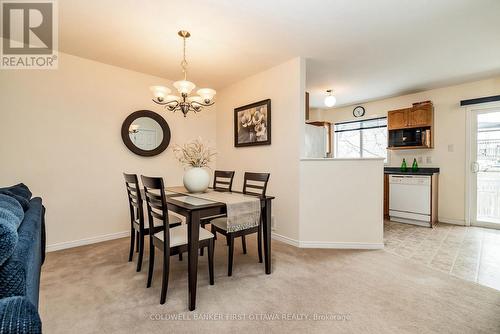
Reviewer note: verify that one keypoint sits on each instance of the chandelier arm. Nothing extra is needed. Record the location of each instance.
(163, 103)
(194, 108)
(172, 108)
(203, 104)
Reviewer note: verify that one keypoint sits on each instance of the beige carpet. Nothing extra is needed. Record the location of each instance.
(93, 289)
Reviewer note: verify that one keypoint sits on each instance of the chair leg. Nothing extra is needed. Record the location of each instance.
(202, 224)
(259, 243)
(151, 262)
(244, 244)
(141, 251)
(132, 244)
(164, 281)
(136, 242)
(230, 242)
(212, 229)
(180, 256)
(211, 246)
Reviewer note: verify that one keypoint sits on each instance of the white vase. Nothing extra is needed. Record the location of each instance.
(196, 180)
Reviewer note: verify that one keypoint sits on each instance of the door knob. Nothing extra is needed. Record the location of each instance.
(475, 167)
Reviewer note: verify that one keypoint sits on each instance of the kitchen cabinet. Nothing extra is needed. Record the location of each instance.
(414, 196)
(411, 128)
(397, 119)
(386, 196)
(420, 115)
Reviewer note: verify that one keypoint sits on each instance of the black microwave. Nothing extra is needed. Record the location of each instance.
(410, 137)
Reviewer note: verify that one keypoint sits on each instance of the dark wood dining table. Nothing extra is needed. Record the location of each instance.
(194, 212)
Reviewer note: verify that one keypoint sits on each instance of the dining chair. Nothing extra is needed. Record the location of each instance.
(223, 181)
(170, 240)
(254, 184)
(138, 230)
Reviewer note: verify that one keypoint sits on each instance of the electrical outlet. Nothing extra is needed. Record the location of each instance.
(420, 160)
(428, 160)
(451, 148)
(273, 223)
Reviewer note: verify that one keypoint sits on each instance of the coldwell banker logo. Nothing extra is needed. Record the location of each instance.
(29, 31)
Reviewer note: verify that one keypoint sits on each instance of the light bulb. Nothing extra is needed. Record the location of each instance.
(207, 94)
(184, 86)
(330, 100)
(159, 92)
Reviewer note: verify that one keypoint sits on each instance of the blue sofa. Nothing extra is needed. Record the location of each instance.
(22, 252)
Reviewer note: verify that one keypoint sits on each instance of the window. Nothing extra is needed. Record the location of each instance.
(361, 139)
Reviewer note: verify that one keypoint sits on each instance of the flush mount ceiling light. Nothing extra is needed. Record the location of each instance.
(184, 102)
(330, 100)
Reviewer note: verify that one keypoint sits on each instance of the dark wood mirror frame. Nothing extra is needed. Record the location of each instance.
(150, 114)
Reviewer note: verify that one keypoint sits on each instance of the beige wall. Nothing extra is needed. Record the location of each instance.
(284, 85)
(332, 191)
(449, 151)
(61, 136)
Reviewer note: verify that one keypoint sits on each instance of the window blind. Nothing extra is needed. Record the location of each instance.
(380, 122)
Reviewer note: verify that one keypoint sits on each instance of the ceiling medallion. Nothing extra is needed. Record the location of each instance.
(183, 102)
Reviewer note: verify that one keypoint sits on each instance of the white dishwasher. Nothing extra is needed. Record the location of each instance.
(410, 199)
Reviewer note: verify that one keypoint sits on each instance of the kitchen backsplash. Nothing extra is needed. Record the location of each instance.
(425, 158)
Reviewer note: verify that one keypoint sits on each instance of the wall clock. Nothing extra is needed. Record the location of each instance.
(359, 111)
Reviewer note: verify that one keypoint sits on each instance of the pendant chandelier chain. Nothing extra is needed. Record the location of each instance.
(184, 62)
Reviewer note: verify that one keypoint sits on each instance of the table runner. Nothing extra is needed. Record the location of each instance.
(243, 211)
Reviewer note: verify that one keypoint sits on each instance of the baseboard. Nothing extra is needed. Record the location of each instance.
(285, 240)
(326, 244)
(460, 222)
(279, 237)
(340, 245)
(87, 241)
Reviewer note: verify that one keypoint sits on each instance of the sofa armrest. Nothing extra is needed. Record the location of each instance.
(19, 316)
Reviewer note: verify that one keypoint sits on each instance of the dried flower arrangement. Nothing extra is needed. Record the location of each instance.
(195, 153)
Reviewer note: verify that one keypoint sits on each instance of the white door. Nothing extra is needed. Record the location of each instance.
(485, 167)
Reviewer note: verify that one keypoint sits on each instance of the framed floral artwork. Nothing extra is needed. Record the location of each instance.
(252, 124)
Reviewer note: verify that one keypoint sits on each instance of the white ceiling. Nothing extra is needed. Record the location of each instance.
(361, 49)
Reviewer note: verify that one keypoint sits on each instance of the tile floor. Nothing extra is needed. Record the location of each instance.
(471, 253)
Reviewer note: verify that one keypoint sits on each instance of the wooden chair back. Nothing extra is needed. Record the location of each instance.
(156, 203)
(255, 183)
(135, 202)
(223, 180)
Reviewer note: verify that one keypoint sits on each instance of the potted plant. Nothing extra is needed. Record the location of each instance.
(195, 155)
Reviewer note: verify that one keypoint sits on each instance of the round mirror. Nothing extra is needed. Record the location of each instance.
(145, 133)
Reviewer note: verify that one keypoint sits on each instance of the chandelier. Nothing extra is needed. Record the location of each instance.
(184, 102)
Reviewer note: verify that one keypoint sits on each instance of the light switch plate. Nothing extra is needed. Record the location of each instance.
(451, 147)
(428, 160)
(420, 160)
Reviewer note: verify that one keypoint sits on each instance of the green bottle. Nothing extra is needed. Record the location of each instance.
(414, 167)
(403, 166)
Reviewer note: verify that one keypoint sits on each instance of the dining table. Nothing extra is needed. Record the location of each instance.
(194, 209)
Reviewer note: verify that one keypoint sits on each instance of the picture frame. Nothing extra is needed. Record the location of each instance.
(252, 124)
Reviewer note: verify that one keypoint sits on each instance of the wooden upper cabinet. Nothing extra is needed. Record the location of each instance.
(420, 115)
(397, 119)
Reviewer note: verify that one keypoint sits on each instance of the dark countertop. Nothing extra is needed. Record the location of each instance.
(421, 171)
